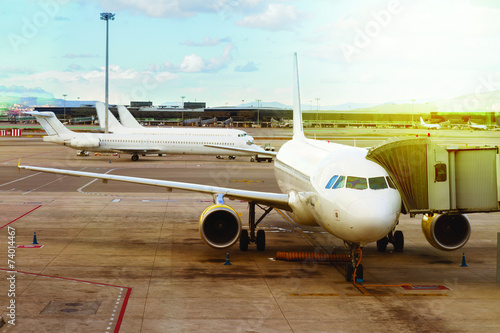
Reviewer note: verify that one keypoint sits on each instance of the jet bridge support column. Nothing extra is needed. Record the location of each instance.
(498, 257)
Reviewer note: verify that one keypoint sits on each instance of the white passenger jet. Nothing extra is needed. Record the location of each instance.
(229, 134)
(134, 144)
(429, 126)
(475, 126)
(326, 184)
(133, 127)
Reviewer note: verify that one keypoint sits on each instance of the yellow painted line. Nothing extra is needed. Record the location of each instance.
(425, 295)
(246, 181)
(306, 294)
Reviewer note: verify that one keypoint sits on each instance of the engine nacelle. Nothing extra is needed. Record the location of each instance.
(446, 232)
(85, 142)
(220, 226)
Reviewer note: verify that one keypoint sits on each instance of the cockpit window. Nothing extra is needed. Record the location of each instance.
(390, 182)
(356, 183)
(377, 183)
(331, 181)
(339, 183)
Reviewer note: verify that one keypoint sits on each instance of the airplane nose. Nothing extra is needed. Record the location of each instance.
(370, 219)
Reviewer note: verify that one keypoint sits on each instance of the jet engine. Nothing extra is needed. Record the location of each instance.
(85, 142)
(446, 232)
(220, 226)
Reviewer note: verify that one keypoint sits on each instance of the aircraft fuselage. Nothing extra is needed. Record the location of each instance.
(360, 205)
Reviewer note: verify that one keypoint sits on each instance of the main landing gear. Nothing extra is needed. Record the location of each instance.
(355, 267)
(260, 238)
(135, 157)
(396, 238)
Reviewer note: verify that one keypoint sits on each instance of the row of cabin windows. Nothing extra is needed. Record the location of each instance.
(169, 142)
(359, 183)
(190, 134)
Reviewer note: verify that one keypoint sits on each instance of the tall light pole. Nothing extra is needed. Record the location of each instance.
(64, 95)
(106, 17)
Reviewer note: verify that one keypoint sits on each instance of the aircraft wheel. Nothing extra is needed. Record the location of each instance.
(359, 272)
(399, 241)
(382, 244)
(135, 157)
(349, 271)
(244, 240)
(261, 240)
(252, 159)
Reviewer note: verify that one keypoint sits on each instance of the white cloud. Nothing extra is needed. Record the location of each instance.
(152, 8)
(124, 83)
(192, 64)
(178, 8)
(275, 17)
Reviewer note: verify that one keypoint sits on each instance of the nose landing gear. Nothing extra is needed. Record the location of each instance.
(354, 270)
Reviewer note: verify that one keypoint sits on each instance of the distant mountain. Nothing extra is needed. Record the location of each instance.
(33, 96)
(21, 91)
(264, 105)
(346, 106)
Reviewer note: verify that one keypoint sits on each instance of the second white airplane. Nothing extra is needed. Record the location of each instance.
(430, 126)
(135, 144)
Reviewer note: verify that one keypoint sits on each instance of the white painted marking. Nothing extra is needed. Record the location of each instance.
(21, 179)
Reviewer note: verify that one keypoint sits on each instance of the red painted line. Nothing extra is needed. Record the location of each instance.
(125, 300)
(20, 217)
(122, 311)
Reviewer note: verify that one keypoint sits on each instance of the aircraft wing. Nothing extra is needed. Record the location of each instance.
(249, 151)
(278, 200)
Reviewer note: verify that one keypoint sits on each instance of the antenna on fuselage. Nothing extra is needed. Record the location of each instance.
(298, 131)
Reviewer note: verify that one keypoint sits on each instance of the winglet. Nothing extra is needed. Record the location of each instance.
(298, 131)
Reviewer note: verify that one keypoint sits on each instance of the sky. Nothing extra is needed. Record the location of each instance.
(228, 52)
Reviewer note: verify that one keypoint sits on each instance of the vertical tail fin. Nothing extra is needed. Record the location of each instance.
(113, 123)
(126, 118)
(50, 123)
(298, 131)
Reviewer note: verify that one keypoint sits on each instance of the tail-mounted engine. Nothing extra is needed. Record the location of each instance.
(220, 226)
(446, 232)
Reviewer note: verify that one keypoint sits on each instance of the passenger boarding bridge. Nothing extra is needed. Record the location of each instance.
(441, 179)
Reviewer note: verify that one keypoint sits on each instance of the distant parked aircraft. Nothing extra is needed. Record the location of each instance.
(134, 144)
(476, 126)
(429, 126)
